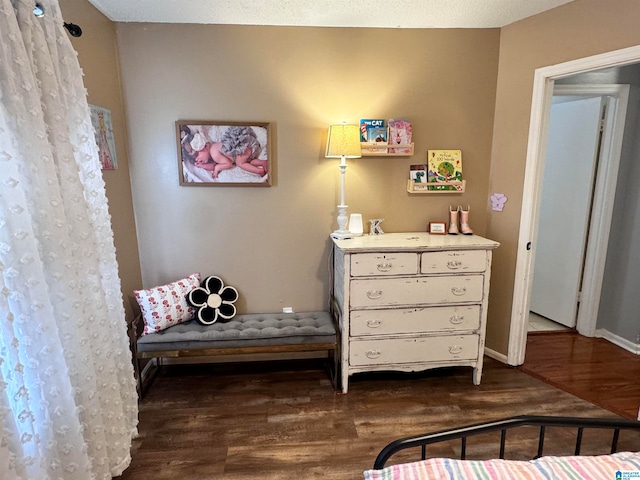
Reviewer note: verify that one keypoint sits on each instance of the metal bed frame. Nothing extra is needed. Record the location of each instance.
(463, 433)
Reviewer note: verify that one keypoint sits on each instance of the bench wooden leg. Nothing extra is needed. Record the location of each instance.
(138, 374)
(332, 366)
(144, 384)
(334, 370)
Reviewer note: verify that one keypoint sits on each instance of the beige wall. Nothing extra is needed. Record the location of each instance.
(273, 243)
(576, 30)
(98, 58)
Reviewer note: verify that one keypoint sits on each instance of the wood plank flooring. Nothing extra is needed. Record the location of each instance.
(283, 420)
(590, 368)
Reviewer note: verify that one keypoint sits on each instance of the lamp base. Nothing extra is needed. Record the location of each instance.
(342, 234)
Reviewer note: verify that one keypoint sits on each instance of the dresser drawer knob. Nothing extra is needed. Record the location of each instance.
(385, 267)
(373, 323)
(454, 264)
(373, 353)
(456, 319)
(458, 291)
(374, 294)
(455, 349)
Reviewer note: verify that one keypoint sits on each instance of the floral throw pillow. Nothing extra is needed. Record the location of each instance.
(213, 300)
(166, 305)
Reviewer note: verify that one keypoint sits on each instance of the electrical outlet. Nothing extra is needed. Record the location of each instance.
(287, 310)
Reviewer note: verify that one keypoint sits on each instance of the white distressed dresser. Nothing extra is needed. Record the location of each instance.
(410, 302)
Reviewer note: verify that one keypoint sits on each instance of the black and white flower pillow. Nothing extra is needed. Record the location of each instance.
(213, 300)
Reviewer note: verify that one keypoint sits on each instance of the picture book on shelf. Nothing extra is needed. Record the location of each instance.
(400, 133)
(374, 131)
(444, 166)
(418, 173)
(378, 135)
(368, 124)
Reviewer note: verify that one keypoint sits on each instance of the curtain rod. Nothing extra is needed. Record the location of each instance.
(73, 29)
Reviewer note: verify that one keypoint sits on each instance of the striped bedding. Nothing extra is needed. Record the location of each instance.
(603, 467)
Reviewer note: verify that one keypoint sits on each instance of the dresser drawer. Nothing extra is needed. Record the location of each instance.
(413, 350)
(380, 292)
(414, 320)
(375, 264)
(464, 261)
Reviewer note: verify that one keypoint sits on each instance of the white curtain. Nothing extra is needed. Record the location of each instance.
(68, 403)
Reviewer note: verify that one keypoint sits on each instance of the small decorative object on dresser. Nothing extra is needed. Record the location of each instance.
(411, 302)
(375, 228)
(355, 224)
(437, 228)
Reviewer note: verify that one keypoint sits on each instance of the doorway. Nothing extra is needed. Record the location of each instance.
(540, 113)
(576, 157)
(565, 206)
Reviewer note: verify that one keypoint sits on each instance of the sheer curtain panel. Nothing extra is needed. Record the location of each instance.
(68, 402)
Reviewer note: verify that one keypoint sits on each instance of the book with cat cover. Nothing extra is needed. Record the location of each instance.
(374, 131)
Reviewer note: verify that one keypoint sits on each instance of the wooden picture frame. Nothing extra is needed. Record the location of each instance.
(437, 228)
(213, 154)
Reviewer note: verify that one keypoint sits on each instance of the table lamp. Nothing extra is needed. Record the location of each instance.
(343, 142)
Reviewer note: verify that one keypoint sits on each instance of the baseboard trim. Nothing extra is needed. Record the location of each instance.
(628, 345)
(495, 355)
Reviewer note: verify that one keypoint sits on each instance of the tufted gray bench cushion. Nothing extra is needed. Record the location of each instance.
(250, 330)
(256, 333)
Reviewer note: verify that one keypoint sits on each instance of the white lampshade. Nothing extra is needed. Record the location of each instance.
(343, 141)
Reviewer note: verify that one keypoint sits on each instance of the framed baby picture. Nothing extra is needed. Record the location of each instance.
(224, 153)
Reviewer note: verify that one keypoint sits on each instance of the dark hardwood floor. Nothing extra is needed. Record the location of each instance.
(283, 420)
(590, 368)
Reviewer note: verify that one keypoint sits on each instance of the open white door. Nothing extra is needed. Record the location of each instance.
(543, 88)
(565, 207)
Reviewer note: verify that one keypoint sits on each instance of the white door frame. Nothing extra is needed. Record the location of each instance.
(543, 86)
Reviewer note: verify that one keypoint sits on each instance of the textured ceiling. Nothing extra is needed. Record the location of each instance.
(329, 13)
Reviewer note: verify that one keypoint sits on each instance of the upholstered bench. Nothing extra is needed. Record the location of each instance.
(243, 334)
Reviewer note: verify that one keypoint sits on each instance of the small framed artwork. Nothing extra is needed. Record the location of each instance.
(101, 121)
(437, 228)
(224, 153)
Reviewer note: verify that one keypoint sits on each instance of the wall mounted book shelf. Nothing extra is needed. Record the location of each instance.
(384, 147)
(421, 187)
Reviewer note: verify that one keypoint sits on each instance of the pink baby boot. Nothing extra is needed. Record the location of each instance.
(453, 221)
(464, 220)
